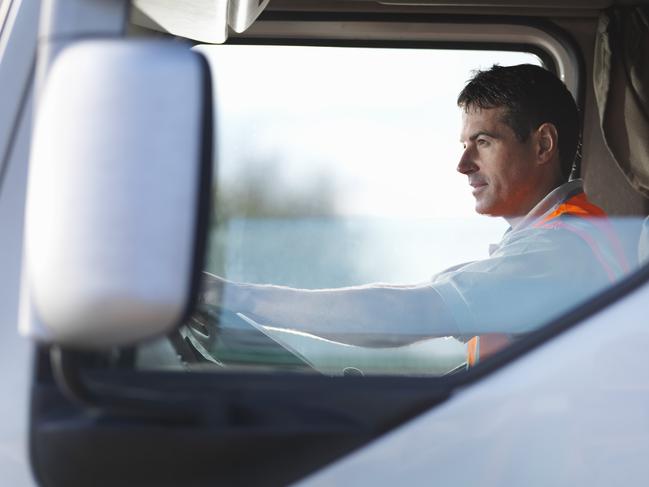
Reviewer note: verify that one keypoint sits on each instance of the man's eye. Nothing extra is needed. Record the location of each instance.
(482, 142)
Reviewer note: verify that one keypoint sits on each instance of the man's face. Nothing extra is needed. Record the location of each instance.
(501, 169)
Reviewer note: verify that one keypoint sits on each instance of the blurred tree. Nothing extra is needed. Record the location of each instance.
(258, 188)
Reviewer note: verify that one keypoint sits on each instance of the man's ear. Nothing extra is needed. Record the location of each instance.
(547, 142)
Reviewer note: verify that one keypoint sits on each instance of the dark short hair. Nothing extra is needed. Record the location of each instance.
(532, 96)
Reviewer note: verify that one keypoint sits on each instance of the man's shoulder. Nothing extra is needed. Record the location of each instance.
(536, 238)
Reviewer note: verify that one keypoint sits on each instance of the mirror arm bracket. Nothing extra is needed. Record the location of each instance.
(67, 368)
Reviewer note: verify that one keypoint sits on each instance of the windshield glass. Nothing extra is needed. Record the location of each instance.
(364, 223)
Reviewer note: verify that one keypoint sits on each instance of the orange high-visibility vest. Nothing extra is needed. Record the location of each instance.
(613, 260)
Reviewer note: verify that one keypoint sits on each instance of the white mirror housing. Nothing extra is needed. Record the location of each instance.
(118, 193)
(200, 20)
(242, 13)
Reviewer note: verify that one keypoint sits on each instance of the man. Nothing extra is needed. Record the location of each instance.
(520, 135)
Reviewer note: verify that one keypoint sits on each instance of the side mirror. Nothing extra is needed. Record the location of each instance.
(118, 193)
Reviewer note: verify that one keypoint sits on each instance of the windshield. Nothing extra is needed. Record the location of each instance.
(359, 224)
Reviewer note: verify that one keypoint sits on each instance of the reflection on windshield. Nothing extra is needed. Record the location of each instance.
(398, 335)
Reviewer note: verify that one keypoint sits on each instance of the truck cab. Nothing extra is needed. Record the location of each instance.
(154, 156)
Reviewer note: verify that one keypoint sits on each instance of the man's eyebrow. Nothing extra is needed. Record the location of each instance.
(493, 135)
(483, 132)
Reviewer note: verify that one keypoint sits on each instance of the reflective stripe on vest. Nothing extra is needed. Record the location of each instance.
(586, 217)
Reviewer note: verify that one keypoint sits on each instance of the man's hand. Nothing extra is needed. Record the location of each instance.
(212, 289)
(209, 305)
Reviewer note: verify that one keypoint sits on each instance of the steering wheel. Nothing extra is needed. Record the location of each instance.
(214, 335)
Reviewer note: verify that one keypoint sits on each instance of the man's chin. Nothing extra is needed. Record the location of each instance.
(481, 208)
(486, 210)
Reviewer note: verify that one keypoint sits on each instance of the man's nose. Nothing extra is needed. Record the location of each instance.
(466, 164)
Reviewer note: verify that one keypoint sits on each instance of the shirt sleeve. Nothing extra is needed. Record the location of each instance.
(535, 275)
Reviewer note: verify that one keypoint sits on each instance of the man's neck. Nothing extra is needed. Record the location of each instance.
(514, 221)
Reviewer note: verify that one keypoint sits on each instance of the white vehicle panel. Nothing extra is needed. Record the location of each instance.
(15, 351)
(17, 51)
(573, 412)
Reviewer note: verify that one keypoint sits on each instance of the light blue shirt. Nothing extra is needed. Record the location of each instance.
(532, 275)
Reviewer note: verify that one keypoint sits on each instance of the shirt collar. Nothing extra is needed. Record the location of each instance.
(544, 207)
(548, 204)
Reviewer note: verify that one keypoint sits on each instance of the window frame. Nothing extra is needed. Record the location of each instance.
(555, 47)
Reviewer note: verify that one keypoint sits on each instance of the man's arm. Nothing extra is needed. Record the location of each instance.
(393, 314)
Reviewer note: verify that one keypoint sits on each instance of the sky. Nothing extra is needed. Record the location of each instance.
(381, 126)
